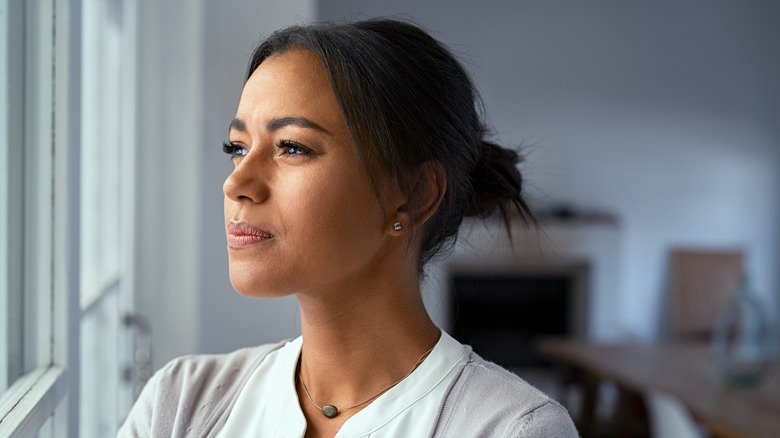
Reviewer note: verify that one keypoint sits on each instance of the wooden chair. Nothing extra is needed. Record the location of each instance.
(700, 284)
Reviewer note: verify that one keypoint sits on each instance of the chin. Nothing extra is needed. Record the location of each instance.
(247, 284)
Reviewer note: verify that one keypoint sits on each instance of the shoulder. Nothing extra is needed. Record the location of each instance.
(487, 400)
(192, 392)
(213, 368)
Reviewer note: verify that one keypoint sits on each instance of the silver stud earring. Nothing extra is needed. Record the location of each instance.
(397, 226)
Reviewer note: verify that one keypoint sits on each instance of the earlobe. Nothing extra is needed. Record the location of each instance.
(399, 220)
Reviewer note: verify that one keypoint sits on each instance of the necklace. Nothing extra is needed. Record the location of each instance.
(331, 411)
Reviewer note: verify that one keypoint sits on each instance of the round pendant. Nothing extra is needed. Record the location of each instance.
(330, 411)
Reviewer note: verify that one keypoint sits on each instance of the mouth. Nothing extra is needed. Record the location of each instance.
(243, 235)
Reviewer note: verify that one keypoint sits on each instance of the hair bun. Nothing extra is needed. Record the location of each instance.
(496, 184)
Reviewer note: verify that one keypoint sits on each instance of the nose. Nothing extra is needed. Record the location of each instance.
(246, 183)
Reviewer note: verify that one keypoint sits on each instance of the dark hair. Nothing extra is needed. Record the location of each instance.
(407, 101)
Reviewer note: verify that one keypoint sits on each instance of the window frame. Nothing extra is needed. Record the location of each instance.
(50, 392)
(47, 400)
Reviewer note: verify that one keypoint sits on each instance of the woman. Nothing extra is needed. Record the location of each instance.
(357, 152)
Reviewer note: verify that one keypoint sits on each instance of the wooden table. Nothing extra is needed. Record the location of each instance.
(687, 372)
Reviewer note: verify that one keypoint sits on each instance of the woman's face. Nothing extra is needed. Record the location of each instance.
(300, 211)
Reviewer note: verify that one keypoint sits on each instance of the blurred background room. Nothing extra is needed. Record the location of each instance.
(652, 141)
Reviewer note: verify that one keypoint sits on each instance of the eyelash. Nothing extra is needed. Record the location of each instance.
(233, 149)
(288, 144)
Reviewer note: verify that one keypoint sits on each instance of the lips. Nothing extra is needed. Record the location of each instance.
(242, 235)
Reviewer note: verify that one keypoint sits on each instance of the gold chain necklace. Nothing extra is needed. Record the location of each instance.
(331, 411)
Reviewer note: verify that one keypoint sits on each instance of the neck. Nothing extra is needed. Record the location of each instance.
(359, 341)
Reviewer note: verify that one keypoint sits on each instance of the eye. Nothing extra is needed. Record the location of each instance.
(233, 149)
(289, 147)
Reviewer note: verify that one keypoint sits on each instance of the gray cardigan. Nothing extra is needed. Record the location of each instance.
(192, 397)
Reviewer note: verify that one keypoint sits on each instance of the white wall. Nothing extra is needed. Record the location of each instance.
(662, 112)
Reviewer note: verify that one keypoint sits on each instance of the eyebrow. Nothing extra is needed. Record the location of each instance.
(276, 124)
(238, 125)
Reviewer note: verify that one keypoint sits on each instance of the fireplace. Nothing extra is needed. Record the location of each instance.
(502, 311)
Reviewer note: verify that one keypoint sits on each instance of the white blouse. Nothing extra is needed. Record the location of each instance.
(268, 405)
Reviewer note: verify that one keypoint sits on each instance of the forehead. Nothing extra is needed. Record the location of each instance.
(290, 84)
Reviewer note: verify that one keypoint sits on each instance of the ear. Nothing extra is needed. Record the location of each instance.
(430, 184)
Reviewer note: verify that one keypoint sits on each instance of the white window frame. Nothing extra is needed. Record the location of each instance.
(46, 401)
(49, 394)
(35, 398)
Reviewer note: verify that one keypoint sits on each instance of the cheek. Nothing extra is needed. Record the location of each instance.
(228, 206)
(340, 209)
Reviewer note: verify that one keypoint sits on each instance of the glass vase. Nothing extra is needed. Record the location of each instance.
(743, 340)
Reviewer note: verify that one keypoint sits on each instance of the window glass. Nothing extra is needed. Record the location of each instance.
(105, 217)
(26, 225)
(101, 137)
(100, 395)
(38, 224)
(11, 213)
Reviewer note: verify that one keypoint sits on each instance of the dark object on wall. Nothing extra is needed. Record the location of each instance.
(502, 313)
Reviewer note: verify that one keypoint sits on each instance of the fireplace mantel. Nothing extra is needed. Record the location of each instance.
(553, 246)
